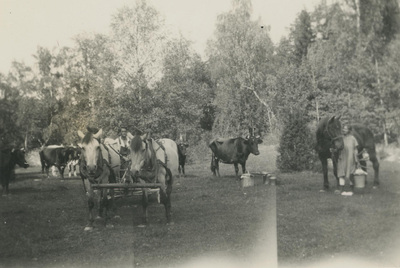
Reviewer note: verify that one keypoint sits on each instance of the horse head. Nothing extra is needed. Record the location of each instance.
(91, 156)
(333, 130)
(140, 154)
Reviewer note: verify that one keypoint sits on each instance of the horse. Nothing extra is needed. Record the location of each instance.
(95, 169)
(154, 161)
(329, 136)
(330, 142)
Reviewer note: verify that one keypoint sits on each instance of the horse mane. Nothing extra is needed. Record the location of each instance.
(136, 143)
(88, 138)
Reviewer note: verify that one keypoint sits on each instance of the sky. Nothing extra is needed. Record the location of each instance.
(27, 24)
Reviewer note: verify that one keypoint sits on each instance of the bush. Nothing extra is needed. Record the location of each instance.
(296, 148)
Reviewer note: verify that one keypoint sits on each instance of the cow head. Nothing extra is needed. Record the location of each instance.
(252, 141)
(182, 147)
(91, 157)
(19, 157)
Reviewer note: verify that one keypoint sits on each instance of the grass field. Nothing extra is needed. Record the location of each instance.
(216, 223)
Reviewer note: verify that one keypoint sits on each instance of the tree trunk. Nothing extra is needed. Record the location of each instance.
(382, 103)
(26, 141)
(357, 2)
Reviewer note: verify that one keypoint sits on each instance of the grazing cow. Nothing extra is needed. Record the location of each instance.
(8, 159)
(233, 151)
(57, 156)
(154, 161)
(182, 157)
(330, 142)
(95, 169)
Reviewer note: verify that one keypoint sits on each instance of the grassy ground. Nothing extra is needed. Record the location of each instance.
(216, 222)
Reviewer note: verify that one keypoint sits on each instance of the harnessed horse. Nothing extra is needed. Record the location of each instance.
(95, 169)
(154, 161)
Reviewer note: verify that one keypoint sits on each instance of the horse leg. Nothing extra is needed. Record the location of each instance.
(89, 226)
(375, 164)
(101, 203)
(107, 204)
(165, 196)
(335, 164)
(145, 203)
(324, 162)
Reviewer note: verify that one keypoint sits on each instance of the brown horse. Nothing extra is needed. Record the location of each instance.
(95, 169)
(154, 161)
(330, 142)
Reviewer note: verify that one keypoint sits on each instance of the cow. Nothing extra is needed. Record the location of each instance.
(8, 159)
(233, 151)
(182, 157)
(55, 155)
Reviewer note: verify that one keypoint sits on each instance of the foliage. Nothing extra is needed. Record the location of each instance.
(239, 61)
(340, 58)
(296, 150)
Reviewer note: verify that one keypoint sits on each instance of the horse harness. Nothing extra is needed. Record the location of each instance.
(152, 163)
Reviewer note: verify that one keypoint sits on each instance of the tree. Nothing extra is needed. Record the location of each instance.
(296, 146)
(239, 59)
(301, 35)
(186, 85)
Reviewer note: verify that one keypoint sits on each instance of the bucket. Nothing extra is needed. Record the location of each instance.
(360, 177)
(359, 180)
(272, 179)
(247, 180)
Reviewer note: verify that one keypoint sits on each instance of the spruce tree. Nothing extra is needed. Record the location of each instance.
(296, 148)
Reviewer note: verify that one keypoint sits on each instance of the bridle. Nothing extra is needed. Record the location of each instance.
(333, 139)
(99, 165)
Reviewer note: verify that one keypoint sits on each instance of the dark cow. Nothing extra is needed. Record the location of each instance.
(233, 151)
(182, 157)
(8, 159)
(330, 142)
(57, 156)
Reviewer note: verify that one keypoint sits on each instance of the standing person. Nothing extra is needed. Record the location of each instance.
(348, 161)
